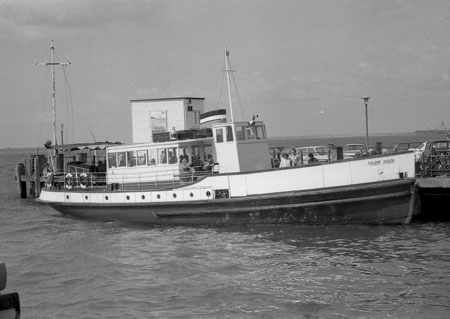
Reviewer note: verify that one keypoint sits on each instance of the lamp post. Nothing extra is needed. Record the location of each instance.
(62, 133)
(366, 103)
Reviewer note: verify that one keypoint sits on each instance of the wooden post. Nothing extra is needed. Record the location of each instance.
(21, 185)
(37, 176)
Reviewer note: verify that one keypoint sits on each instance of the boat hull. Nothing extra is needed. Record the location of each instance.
(387, 202)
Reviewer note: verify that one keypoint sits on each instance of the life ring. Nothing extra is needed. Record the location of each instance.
(83, 180)
(69, 181)
(49, 180)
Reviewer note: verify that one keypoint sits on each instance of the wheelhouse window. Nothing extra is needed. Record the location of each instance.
(230, 134)
(240, 133)
(260, 132)
(250, 133)
(255, 132)
(219, 135)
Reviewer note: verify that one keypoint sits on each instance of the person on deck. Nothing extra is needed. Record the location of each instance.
(285, 161)
(101, 167)
(93, 168)
(197, 166)
(184, 169)
(293, 157)
(312, 159)
(209, 163)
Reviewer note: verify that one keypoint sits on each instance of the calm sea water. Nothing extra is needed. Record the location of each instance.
(70, 268)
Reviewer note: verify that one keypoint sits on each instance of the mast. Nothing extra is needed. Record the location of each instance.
(227, 69)
(52, 63)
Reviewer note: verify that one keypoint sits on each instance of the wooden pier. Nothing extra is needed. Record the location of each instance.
(30, 180)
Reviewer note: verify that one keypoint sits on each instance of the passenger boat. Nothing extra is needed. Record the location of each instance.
(148, 182)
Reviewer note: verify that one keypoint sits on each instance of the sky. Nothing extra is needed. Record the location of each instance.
(302, 66)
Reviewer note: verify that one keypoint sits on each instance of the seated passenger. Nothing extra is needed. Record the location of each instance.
(101, 167)
(293, 157)
(184, 169)
(172, 158)
(208, 165)
(285, 161)
(312, 159)
(197, 164)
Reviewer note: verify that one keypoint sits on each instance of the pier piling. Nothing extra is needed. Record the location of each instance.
(21, 185)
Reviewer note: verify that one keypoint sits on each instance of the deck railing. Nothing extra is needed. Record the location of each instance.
(435, 165)
(82, 179)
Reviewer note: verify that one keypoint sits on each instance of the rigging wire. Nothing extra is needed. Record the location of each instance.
(241, 104)
(68, 97)
(82, 114)
(43, 111)
(220, 92)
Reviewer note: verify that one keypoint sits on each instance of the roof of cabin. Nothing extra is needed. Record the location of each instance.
(168, 98)
(86, 146)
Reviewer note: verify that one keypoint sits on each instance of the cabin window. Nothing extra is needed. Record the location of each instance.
(141, 157)
(240, 134)
(230, 134)
(260, 134)
(112, 161)
(162, 156)
(183, 152)
(250, 133)
(121, 159)
(195, 151)
(131, 158)
(152, 155)
(172, 155)
(207, 149)
(219, 135)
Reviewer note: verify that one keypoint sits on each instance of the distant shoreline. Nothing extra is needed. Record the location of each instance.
(386, 138)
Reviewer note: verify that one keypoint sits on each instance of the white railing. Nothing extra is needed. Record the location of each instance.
(81, 179)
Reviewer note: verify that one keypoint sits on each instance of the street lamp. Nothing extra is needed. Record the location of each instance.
(62, 133)
(366, 103)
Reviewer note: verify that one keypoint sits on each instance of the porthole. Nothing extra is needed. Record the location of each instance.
(208, 193)
(174, 195)
(106, 197)
(158, 196)
(143, 196)
(86, 197)
(67, 196)
(191, 194)
(128, 197)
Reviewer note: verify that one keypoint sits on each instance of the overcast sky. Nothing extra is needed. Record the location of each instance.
(302, 65)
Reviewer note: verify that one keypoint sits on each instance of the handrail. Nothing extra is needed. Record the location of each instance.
(73, 179)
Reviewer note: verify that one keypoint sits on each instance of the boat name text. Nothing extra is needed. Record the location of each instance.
(379, 162)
